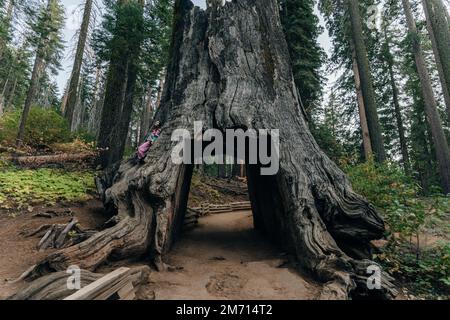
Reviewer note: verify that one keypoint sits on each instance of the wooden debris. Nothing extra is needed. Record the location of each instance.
(57, 236)
(53, 286)
(120, 284)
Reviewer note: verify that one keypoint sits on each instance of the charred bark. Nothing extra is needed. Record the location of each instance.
(230, 68)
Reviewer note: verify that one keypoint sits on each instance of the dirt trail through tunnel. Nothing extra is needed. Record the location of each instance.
(225, 258)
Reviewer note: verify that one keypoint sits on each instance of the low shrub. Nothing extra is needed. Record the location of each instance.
(409, 216)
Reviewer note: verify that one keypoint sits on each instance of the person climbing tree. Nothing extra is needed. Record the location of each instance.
(149, 140)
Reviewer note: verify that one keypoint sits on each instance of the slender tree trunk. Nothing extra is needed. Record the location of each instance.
(362, 111)
(397, 108)
(31, 94)
(78, 115)
(438, 28)
(64, 98)
(439, 139)
(72, 93)
(308, 207)
(2, 95)
(367, 89)
(94, 111)
(11, 95)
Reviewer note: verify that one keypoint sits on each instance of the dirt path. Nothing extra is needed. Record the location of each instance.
(224, 258)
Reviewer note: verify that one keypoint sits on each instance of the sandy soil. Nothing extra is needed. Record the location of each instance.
(224, 258)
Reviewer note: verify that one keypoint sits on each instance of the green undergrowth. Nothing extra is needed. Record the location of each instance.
(412, 219)
(22, 189)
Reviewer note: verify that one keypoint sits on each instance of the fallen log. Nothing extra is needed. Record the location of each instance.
(120, 284)
(38, 161)
(53, 286)
(94, 286)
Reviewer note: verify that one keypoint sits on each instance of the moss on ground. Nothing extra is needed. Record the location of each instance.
(22, 189)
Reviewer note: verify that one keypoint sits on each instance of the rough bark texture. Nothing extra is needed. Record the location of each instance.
(433, 117)
(366, 82)
(230, 68)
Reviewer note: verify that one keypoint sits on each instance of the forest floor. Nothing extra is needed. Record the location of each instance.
(222, 258)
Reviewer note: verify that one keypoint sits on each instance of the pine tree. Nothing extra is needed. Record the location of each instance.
(120, 42)
(47, 40)
(301, 28)
(339, 24)
(392, 112)
(134, 43)
(439, 31)
(440, 142)
(367, 88)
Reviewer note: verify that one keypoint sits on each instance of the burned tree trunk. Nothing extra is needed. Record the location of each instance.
(230, 68)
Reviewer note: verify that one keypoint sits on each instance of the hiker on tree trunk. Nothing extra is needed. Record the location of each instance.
(149, 140)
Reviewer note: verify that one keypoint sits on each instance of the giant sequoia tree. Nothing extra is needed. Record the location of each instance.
(230, 68)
